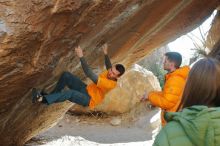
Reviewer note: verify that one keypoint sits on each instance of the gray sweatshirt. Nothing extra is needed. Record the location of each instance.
(88, 71)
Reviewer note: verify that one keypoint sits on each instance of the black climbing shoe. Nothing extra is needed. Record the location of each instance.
(35, 95)
(43, 92)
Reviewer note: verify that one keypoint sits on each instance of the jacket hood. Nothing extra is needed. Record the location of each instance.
(182, 71)
(197, 122)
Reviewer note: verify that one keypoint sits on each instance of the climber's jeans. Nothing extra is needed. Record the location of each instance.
(77, 93)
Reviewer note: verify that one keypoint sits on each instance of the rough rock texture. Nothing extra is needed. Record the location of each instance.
(215, 51)
(37, 39)
(131, 86)
(214, 32)
(213, 38)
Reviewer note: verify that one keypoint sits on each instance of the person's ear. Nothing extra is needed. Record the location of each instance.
(173, 64)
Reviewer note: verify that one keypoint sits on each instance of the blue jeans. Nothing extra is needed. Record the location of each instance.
(77, 93)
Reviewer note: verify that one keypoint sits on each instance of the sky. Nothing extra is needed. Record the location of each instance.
(183, 44)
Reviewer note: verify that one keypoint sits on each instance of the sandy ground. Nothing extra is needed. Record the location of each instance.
(85, 130)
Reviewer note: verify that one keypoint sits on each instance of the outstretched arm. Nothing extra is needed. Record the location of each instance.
(171, 94)
(108, 63)
(87, 70)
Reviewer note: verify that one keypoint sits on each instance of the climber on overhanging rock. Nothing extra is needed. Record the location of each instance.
(80, 93)
(168, 99)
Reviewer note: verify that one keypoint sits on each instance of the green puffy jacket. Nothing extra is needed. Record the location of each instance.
(194, 126)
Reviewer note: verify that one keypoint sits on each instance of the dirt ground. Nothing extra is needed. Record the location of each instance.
(97, 130)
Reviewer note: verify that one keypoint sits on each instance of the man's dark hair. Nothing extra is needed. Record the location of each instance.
(174, 57)
(120, 68)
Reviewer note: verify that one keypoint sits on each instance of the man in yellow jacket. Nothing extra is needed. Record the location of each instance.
(86, 95)
(169, 98)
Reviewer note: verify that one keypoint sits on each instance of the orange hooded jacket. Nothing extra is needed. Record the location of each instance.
(168, 99)
(97, 91)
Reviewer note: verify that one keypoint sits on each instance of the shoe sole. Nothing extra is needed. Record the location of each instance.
(34, 95)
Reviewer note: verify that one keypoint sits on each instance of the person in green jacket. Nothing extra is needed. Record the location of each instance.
(197, 122)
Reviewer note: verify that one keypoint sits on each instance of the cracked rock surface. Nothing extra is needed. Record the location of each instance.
(37, 38)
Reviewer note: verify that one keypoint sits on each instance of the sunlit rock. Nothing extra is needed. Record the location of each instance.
(213, 36)
(131, 87)
(37, 38)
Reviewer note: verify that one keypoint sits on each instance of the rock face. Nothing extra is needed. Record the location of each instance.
(214, 32)
(37, 39)
(130, 87)
(213, 38)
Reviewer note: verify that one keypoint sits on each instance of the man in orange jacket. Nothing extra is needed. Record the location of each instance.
(86, 95)
(169, 98)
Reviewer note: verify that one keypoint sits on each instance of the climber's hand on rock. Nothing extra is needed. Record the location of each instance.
(105, 48)
(144, 97)
(79, 51)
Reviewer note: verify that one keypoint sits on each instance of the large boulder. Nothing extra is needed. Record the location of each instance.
(126, 96)
(37, 39)
(131, 87)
